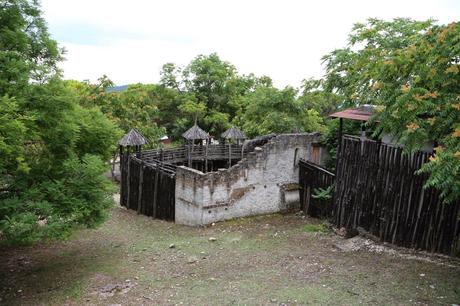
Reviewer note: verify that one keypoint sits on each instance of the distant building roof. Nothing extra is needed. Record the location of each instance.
(132, 138)
(362, 113)
(116, 88)
(233, 133)
(195, 132)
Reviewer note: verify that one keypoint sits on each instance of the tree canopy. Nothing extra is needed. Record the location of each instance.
(213, 91)
(410, 70)
(52, 148)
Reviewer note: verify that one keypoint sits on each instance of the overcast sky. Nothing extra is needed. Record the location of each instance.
(130, 40)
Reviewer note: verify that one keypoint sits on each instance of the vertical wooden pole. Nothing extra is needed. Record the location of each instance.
(141, 184)
(155, 191)
(229, 154)
(339, 145)
(206, 158)
(189, 153)
(128, 176)
(122, 179)
(340, 136)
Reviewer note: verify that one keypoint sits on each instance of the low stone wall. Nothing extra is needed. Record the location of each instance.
(264, 182)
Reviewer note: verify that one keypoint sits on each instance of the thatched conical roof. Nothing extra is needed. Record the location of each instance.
(194, 133)
(132, 138)
(233, 133)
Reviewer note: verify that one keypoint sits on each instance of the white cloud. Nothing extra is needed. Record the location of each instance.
(282, 39)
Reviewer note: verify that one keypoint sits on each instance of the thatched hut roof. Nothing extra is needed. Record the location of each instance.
(194, 133)
(132, 138)
(233, 133)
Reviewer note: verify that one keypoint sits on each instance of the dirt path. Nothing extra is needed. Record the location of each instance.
(269, 260)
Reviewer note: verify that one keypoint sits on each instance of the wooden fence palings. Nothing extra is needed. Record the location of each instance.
(124, 179)
(150, 187)
(148, 178)
(311, 177)
(377, 189)
(198, 153)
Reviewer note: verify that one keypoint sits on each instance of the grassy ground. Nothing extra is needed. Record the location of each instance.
(268, 260)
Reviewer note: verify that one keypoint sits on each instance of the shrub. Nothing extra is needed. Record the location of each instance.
(51, 209)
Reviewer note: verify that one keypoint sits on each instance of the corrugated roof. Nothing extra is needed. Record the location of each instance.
(233, 133)
(195, 132)
(132, 138)
(362, 113)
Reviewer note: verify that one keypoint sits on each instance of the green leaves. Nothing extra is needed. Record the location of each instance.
(13, 129)
(79, 195)
(27, 53)
(323, 193)
(97, 134)
(208, 89)
(411, 70)
(195, 110)
(48, 182)
(117, 112)
(270, 110)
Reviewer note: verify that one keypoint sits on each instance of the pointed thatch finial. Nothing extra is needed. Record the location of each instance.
(233, 133)
(195, 133)
(132, 138)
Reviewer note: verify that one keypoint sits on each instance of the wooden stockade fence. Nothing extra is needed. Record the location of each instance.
(195, 153)
(377, 189)
(148, 187)
(148, 178)
(311, 178)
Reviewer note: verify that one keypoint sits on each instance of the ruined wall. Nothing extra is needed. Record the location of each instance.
(264, 182)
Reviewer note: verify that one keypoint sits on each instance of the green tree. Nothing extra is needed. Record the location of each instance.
(52, 151)
(136, 107)
(27, 53)
(313, 96)
(210, 81)
(270, 110)
(350, 72)
(13, 131)
(410, 70)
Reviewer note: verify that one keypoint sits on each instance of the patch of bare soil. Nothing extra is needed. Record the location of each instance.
(266, 260)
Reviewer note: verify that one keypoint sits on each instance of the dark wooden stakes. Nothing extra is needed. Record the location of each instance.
(233, 134)
(131, 142)
(377, 189)
(312, 179)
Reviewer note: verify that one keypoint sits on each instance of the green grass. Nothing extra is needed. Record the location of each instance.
(316, 228)
(265, 260)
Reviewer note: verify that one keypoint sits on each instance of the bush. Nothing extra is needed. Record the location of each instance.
(51, 209)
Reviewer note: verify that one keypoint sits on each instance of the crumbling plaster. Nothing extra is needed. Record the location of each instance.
(264, 182)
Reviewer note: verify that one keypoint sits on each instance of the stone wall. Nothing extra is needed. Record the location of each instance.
(264, 182)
